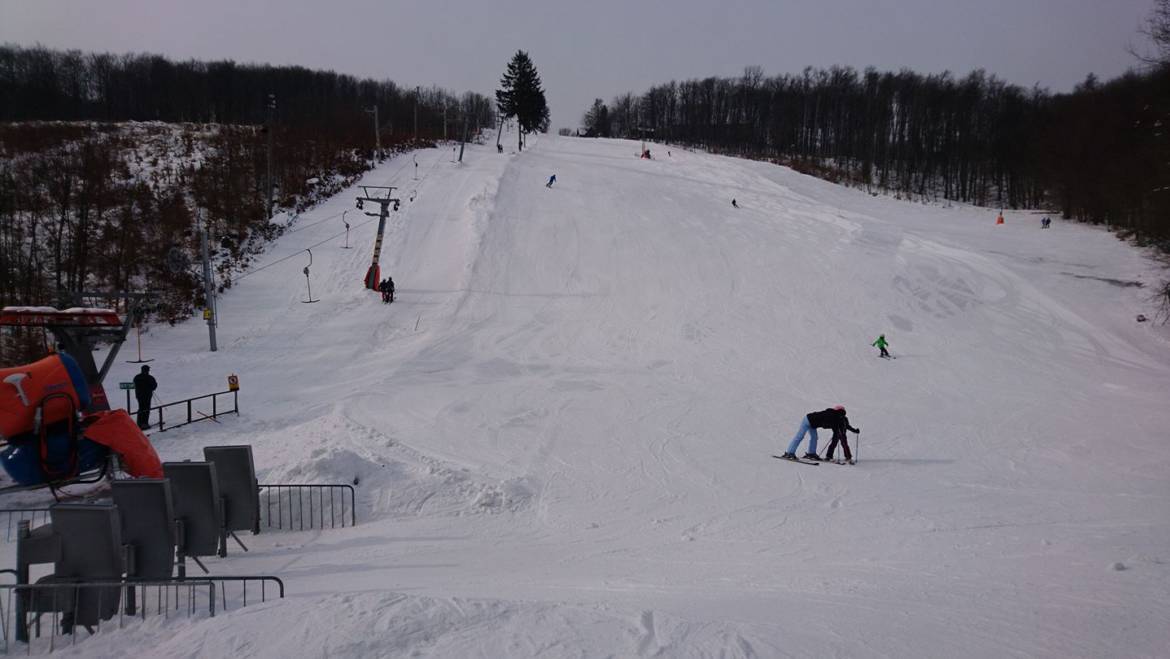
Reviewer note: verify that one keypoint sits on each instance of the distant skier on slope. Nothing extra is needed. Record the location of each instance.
(831, 419)
(733, 204)
(386, 288)
(881, 345)
(552, 179)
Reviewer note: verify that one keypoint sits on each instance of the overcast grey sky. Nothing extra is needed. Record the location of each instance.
(600, 48)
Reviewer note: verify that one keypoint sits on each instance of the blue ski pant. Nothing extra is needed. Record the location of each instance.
(804, 429)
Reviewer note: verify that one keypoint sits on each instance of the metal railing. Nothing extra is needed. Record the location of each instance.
(18, 626)
(306, 507)
(194, 414)
(266, 586)
(12, 517)
(135, 600)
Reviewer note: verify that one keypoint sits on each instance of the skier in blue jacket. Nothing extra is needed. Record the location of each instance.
(552, 179)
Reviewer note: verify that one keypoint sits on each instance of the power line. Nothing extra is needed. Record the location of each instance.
(281, 260)
(334, 236)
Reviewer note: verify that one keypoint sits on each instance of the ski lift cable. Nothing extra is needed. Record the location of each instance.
(335, 215)
(299, 251)
(332, 237)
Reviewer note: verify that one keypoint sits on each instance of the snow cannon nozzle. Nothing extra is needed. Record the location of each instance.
(15, 380)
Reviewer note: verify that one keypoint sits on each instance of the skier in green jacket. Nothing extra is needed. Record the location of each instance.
(881, 344)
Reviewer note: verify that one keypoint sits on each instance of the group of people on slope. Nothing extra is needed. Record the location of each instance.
(386, 288)
(831, 419)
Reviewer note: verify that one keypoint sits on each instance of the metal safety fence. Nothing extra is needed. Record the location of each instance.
(306, 507)
(11, 518)
(38, 618)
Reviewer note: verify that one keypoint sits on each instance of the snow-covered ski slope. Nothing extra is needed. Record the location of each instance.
(562, 428)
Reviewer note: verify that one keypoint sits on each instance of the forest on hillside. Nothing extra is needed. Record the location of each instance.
(109, 162)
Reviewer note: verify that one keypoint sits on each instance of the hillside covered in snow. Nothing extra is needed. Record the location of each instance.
(561, 430)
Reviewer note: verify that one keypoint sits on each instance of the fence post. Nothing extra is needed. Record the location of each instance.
(188, 410)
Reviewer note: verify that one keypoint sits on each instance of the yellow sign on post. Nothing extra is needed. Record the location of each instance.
(207, 314)
(233, 382)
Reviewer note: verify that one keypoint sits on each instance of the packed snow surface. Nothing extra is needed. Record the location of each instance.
(561, 431)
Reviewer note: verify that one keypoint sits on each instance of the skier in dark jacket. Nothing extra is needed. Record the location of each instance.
(831, 419)
(389, 289)
(144, 386)
(382, 290)
(840, 436)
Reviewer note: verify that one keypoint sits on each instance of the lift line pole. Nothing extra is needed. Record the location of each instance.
(374, 274)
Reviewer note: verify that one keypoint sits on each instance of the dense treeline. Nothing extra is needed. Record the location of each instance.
(105, 207)
(38, 84)
(1100, 153)
(89, 204)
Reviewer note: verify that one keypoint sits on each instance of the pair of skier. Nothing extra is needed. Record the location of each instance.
(386, 288)
(831, 419)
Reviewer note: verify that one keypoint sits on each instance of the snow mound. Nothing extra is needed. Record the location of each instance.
(391, 478)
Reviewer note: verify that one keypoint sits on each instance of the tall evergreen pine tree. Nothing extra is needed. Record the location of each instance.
(521, 96)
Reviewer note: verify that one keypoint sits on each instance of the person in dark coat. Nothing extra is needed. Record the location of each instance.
(383, 288)
(389, 289)
(144, 386)
(832, 419)
(840, 436)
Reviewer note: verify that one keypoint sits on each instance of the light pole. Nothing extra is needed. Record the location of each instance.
(377, 135)
(346, 246)
(268, 182)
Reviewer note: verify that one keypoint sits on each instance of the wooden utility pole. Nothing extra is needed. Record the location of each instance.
(208, 287)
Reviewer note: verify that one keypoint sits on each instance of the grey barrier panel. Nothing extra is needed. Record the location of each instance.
(91, 550)
(237, 485)
(148, 524)
(195, 489)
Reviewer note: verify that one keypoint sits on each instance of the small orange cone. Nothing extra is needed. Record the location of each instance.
(999, 220)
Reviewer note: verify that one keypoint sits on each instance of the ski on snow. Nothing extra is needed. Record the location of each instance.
(803, 462)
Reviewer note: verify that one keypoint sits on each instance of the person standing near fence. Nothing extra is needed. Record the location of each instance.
(144, 386)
